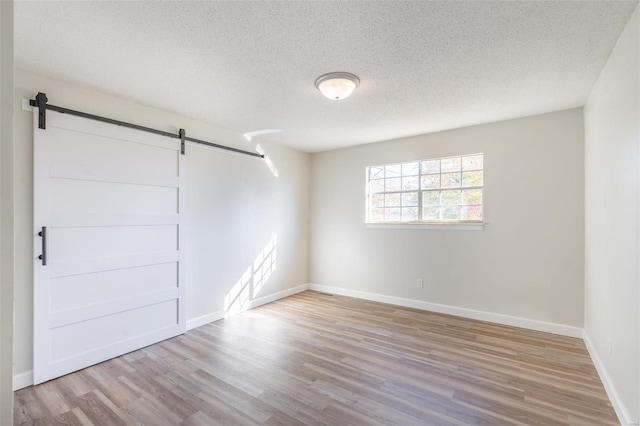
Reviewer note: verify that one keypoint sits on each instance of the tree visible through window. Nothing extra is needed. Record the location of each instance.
(438, 190)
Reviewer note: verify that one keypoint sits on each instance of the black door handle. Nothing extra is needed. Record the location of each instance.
(43, 256)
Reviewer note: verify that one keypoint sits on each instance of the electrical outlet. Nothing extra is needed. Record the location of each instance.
(610, 345)
(419, 283)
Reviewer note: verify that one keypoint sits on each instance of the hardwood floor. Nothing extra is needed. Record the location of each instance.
(317, 359)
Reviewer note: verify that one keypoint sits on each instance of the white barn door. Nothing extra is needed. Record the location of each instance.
(109, 274)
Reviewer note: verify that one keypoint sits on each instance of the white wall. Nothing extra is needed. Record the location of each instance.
(612, 231)
(528, 262)
(235, 206)
(6, 212)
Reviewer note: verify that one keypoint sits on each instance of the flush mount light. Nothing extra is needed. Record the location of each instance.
(337, 85)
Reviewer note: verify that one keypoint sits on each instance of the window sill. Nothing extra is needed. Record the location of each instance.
(449, 226)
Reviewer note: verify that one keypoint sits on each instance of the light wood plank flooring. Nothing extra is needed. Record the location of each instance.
(317, 359)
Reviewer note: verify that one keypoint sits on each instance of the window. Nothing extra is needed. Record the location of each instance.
(439, 190)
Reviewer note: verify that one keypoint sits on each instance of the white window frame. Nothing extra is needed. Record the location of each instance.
(428, 224)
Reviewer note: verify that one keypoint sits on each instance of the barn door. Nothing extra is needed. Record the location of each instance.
(108, 242)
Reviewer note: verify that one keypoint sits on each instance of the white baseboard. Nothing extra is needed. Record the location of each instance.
(22, 380)
(618, 406)
(548, 327)
(204, 319)
(279, 295)
(218, 315)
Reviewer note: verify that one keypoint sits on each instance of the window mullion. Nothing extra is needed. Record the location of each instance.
(419, 191)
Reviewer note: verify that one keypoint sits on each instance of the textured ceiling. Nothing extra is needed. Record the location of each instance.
(249, 66)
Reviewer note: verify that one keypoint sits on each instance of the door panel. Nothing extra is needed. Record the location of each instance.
(113, 328)
(80, 196)
(86, 242)
(89, 289)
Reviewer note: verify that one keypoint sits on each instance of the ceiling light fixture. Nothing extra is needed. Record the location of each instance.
(337, 85)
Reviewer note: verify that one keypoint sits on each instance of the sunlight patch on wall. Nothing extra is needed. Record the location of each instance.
(264, 265)
(268, 161)
(252, 280)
